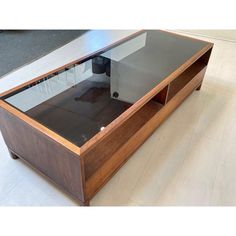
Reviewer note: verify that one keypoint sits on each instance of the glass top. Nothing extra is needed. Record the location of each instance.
(80, 100)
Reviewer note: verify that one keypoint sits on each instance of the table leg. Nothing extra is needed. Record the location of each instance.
(86, 203)
(13, 156)
(199, 87)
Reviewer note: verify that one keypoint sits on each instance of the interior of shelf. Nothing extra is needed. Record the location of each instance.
(100, 153)
(177, 84)
(161, 97)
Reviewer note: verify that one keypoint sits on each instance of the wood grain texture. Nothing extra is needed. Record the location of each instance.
(49, 157)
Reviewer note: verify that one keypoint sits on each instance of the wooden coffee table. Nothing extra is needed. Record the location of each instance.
(77, 125)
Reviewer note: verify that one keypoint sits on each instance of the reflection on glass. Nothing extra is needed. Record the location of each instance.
(125, 49)
(81, 100)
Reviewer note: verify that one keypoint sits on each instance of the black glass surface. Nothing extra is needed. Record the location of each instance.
(81, 100)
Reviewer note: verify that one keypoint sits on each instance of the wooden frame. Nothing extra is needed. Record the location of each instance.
(82, 171)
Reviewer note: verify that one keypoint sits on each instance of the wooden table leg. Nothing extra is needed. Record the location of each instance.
(86, 203)
(199, 87)
(13, 156)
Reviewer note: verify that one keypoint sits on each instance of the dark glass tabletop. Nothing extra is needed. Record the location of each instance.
(80, 100)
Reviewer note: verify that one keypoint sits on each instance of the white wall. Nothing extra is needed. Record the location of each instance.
(229, 35)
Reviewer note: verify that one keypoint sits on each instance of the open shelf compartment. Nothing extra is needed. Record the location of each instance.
(183, 79)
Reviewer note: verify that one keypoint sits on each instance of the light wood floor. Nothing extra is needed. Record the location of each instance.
(189, 160)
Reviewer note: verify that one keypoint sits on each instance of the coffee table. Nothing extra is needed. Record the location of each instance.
(77, 125)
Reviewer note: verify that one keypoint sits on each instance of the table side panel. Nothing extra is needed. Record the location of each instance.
(53, 160)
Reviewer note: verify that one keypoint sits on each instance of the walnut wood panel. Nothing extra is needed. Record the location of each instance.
(56, 162)
(112, 165)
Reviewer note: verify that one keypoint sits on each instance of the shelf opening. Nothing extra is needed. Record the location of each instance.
(177, 84)
(161, 97)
